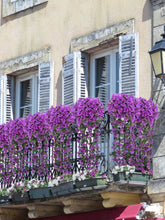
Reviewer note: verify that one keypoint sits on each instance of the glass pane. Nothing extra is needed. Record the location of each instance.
(163, 60)
(156, 60)
(101, 71)
(26, 93)
(102, 84)
(24, 112)
(25, 98)
(103, 94)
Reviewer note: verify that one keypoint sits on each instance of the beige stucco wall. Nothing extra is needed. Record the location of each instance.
(56, 23)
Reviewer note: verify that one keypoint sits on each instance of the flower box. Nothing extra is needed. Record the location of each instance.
(18, 197)
(4, 199)
(137, 176)
(63, 189)
(90, 182)
(40, 193)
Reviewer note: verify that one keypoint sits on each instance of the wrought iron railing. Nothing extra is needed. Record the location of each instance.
(104, 158)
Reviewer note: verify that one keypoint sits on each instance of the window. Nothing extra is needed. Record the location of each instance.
(29, 92)
(108, 72)
(104, 75)
(26, 95)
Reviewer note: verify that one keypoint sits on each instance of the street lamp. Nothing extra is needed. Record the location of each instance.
(157, 55)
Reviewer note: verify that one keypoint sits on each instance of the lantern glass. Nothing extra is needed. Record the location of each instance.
(163, 61)
(156, 62)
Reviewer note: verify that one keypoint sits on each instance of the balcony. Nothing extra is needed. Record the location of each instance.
(66, 151)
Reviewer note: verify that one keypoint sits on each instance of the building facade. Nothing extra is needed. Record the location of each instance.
(54, 52)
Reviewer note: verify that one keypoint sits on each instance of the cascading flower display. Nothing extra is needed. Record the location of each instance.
(88, 113)
(38, 144)
(132, 122)
(59, 121)
(41, 146)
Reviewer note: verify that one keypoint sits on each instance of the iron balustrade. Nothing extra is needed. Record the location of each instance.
(104, 158)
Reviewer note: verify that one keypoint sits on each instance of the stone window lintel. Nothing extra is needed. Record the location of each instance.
(103, 36)
(27, 61)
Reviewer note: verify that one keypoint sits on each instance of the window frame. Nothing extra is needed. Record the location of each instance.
(108, 52)
(33, 75)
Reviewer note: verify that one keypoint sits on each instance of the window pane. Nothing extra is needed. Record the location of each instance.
(26, 93)
(103, 94)
(102, 85)
(24, 112)
(25, 97)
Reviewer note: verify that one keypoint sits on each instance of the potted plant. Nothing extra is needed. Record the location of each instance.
(85, 179)
(128, 173)
(62, 185)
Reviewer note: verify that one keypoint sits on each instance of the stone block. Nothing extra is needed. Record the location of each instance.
(81, 205)
(159, 145)
(22, 5)
(159, 16)
(156, 187)
(24, 62)
(158, 97)
(112, 199)
(157, 31)
(8, 8)
(15, 6)
(157, 3)
(37, 2)
(96, 38)
(41, 211)
(159, 167)
(160, 124)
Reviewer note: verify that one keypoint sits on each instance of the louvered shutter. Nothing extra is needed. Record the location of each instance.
(45, 88)
(75, 77)
(1, 99)
(9, 97)
(128, 69)
(69, 79)
(82, 75)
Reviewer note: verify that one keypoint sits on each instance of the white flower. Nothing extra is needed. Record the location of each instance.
(117, 167)
(128, 166)
(114, 171)
(121, 169)
(127, 172)
(83, 177)
(21, 184)
(132, 170)
(74, 177)
(50, 184)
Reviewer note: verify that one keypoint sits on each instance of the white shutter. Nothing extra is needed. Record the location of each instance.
(75, 77)
(82, 76)
(9, 97)
(128, 69)
(45, 88)
(6, 98)
(69, 79)
(1, 98)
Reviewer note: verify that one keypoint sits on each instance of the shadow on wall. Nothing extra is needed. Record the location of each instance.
(158, 96)
(147, 11)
